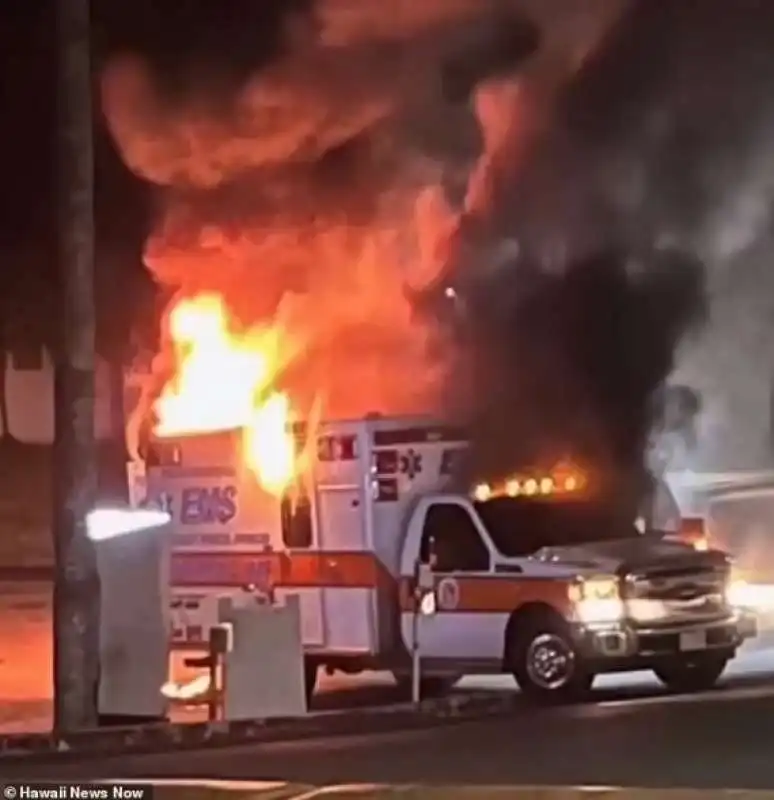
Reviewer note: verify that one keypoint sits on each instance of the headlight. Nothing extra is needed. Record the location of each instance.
(598, 588)
(737, 593)
(597, 599)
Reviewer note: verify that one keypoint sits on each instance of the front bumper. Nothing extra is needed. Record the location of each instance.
(623, 646)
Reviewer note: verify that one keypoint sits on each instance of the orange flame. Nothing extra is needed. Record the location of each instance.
(223, 381)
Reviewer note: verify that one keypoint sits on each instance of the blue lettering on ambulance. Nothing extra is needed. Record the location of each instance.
(204, 505)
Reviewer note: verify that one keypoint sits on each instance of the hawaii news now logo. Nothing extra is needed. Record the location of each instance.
(77, 791)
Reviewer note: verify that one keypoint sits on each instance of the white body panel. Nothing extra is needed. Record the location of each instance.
(351, 620)
(311, 606)
(226, 530)
(466, 637)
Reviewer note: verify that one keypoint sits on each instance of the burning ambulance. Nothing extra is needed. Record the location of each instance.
(525, 579)
(356, 518)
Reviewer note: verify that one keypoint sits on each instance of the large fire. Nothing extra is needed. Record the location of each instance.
(312, 193)
(224, 381)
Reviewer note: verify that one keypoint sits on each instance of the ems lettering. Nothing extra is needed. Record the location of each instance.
(202, 505)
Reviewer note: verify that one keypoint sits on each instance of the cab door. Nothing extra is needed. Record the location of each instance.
(467, 623)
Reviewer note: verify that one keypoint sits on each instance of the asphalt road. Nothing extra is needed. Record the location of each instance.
(637, 736)
(632, 734)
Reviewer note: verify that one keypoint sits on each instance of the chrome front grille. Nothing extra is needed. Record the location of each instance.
(676, 595)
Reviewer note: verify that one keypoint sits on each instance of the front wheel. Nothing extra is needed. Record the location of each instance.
(543, 659)
(691, 676)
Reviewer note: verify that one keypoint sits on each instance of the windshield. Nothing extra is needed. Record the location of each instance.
(520, 527)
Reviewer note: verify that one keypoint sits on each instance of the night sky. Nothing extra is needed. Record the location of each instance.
(667, 139)
(173, 36)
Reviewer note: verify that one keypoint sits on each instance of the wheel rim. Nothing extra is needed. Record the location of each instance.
(550, 661)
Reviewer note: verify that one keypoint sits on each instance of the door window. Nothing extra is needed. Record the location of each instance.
(451, 537)
(296, 516)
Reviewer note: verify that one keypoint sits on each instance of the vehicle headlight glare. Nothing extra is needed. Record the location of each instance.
(751, 596)
(602, 588)
(597, 600)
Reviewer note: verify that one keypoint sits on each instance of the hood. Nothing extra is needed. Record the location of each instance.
(624, 555)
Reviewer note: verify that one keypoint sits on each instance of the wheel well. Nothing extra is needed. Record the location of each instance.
(524, 614)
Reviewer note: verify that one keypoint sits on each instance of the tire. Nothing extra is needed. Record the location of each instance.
(691, 676)
(544, 661)
(429, 686)
(310, 678)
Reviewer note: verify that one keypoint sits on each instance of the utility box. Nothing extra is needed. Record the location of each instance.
(134, 624)
(264, 670)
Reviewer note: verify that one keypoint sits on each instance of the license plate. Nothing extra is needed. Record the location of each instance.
(693, 640)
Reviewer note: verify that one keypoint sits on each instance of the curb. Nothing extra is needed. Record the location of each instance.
(110, 741)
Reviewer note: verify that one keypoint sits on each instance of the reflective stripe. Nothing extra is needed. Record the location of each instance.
(495, 594)
(334, 569)
(329, 568)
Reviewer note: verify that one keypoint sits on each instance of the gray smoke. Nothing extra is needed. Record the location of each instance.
(586, 266)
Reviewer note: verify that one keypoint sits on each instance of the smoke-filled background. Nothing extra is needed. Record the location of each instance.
(306, 188)
(434, 220)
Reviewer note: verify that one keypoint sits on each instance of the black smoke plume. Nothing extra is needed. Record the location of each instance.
(288, 141)
(571, 287)
(563, 367)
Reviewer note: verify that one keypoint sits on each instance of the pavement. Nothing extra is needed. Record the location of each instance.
(26, 657)
(631, 733)
(633, 736)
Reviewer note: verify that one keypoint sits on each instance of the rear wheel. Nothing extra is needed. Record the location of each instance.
(691, 676)
(543, 659)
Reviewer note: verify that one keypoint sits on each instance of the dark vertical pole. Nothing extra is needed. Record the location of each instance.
(771, 413)
(5, 424)
(76, 590)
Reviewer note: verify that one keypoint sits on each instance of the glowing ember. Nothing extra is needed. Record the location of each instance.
(222, 382)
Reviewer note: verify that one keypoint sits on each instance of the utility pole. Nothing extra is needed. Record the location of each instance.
(76, 589)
